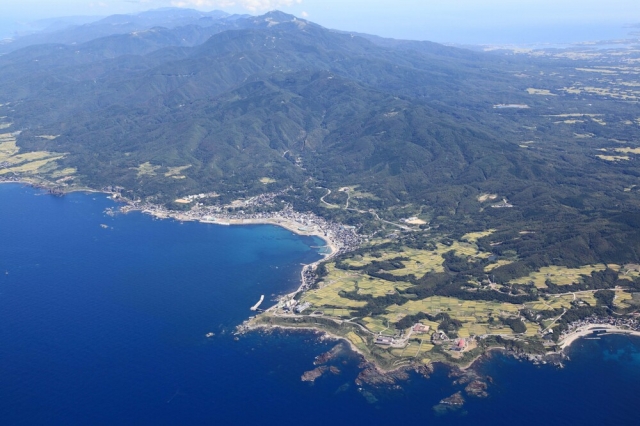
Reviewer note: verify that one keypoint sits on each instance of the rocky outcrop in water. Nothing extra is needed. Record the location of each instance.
(423, 370)
(372, 376)
(455, 400)
(328, 356)
(450, 404)
(312, 375)
(476, 384)
(477, 388)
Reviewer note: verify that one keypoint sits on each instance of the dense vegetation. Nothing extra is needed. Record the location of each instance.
(496, 194)
(412, 125)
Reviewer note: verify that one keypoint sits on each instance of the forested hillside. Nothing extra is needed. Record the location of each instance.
(240, 105)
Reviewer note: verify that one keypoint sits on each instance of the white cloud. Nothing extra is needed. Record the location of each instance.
(251, 5)
(304, 14)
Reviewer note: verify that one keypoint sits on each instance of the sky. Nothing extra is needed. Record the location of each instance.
(453, 21)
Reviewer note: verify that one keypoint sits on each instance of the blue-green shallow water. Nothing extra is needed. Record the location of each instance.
(106, 327)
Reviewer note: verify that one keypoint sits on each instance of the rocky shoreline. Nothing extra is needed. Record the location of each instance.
(371, 378)
(342, 239)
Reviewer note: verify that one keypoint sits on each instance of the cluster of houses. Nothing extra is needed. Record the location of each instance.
(344, 237)
(624, 323)
(292, 305)
(438, 337)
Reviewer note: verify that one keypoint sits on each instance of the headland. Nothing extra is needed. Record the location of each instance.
(366, 293)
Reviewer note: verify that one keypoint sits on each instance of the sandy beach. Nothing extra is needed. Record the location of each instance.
(295, 227)
(288, 224)
(315, 227)
(587, 330)
(298, 223)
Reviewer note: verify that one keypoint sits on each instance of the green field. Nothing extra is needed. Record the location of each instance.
(29, 163)
(463, 310)
(477, 317)
(490, 267)
(375, 325)
(473, 237)
(422, 261)
(559, 275)
(348, 281)
(337, 312)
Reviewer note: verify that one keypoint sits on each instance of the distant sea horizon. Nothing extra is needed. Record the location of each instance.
(103, 321)
(549, 36)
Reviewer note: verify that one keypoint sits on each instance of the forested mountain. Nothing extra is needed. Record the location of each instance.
(66, 31)
(420, 127)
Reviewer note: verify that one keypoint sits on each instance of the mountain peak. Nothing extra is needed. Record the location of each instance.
(272, 18)
(278, 16)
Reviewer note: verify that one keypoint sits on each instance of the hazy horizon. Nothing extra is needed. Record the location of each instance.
(460, 21)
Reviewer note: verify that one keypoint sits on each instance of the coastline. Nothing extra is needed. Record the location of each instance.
(323, 334)
(327, 335)
(292, 226)
(310, 225)
(46, 185)
(276, 219)
(337, 237)
(298, 228)
(282, 222)
(305, 224)
(589, 329)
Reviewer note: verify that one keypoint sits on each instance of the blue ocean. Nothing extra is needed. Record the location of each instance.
(103, 322)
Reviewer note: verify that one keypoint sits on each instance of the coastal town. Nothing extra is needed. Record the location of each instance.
(339, 238)
(596, 326)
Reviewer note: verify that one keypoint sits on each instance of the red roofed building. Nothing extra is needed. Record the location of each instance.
(420, 328)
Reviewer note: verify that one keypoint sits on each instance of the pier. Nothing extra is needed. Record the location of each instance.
(255, 307)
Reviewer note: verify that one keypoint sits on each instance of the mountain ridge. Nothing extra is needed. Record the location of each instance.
(417, 126)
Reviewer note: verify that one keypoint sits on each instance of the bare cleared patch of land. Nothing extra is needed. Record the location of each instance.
(176, 172)
(146, 169)
(544, 92)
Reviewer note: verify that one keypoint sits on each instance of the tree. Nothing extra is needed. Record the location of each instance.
(605, 297)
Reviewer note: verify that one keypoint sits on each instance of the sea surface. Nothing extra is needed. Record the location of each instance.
(103, 322)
